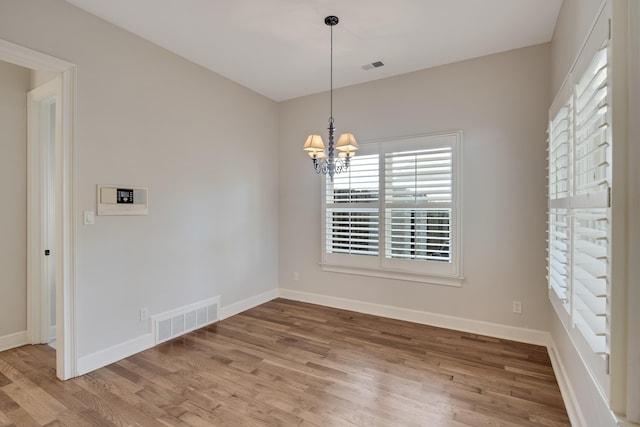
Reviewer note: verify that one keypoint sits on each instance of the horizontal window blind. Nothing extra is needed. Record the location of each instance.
(352, 213)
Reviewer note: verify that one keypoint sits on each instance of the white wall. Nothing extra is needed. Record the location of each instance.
(14, 85)
(500, 102)
(202, 144)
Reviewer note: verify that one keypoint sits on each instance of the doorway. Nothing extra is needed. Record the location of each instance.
(64, 206)
(44, 124)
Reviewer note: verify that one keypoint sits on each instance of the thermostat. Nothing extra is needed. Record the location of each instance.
(122, 200)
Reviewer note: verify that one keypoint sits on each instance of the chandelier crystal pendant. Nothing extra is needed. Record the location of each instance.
(326, 162)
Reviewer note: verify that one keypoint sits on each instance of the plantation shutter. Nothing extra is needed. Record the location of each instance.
(591, 202)
(579, 229)
(352, 208)
(560, 171)
(418, 204)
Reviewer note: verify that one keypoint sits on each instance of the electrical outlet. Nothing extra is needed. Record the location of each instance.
(296, 276)
(144, 314)
(517, 307)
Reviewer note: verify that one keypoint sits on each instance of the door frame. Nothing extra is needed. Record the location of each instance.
(41, 206)
(65, 207)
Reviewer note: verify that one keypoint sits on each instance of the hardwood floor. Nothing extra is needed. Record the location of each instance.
(288, 363)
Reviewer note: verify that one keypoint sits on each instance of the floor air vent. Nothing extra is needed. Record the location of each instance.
(185, 319)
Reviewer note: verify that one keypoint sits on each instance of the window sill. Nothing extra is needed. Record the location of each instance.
(431, 279)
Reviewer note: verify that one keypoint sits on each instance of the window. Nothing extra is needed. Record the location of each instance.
(394, 213)
(579, 226)
(352, 218)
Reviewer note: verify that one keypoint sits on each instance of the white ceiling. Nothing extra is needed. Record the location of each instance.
(280, 48)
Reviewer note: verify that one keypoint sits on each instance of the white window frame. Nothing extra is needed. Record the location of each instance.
(432, 272)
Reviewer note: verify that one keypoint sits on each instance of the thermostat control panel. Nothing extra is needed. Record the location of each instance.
(122, 200)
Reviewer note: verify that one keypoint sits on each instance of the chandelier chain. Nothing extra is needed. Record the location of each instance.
(331, 79)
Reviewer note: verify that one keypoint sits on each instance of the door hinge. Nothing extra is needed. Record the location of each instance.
(47, 252)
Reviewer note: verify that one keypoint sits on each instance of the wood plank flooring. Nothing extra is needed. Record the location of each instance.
(288, 363)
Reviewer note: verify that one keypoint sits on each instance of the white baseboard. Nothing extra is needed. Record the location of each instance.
(117, 352)
(14, 340)
(113, 354)
(246, 304)
(571, 402)
(530, 336)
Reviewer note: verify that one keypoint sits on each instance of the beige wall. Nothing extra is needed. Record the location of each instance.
(39, 77)
(14, 85)
(202, 144)
(584, 396)
(633, 405)
(574, 22)
(500, 104)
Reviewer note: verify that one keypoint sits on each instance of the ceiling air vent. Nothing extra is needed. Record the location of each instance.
(376, 64)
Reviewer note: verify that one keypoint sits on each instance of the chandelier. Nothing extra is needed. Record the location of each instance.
(326, 162)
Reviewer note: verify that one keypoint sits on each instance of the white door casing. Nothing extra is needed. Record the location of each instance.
(65, 217)
(44, 125)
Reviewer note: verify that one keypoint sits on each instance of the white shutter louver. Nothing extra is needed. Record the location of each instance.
(418, 201)
(559, 253)
(590, 278)
(579, 212)
(591, 162)
(560, 172)
(591, 214)
(560, 153)
(352, 213)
